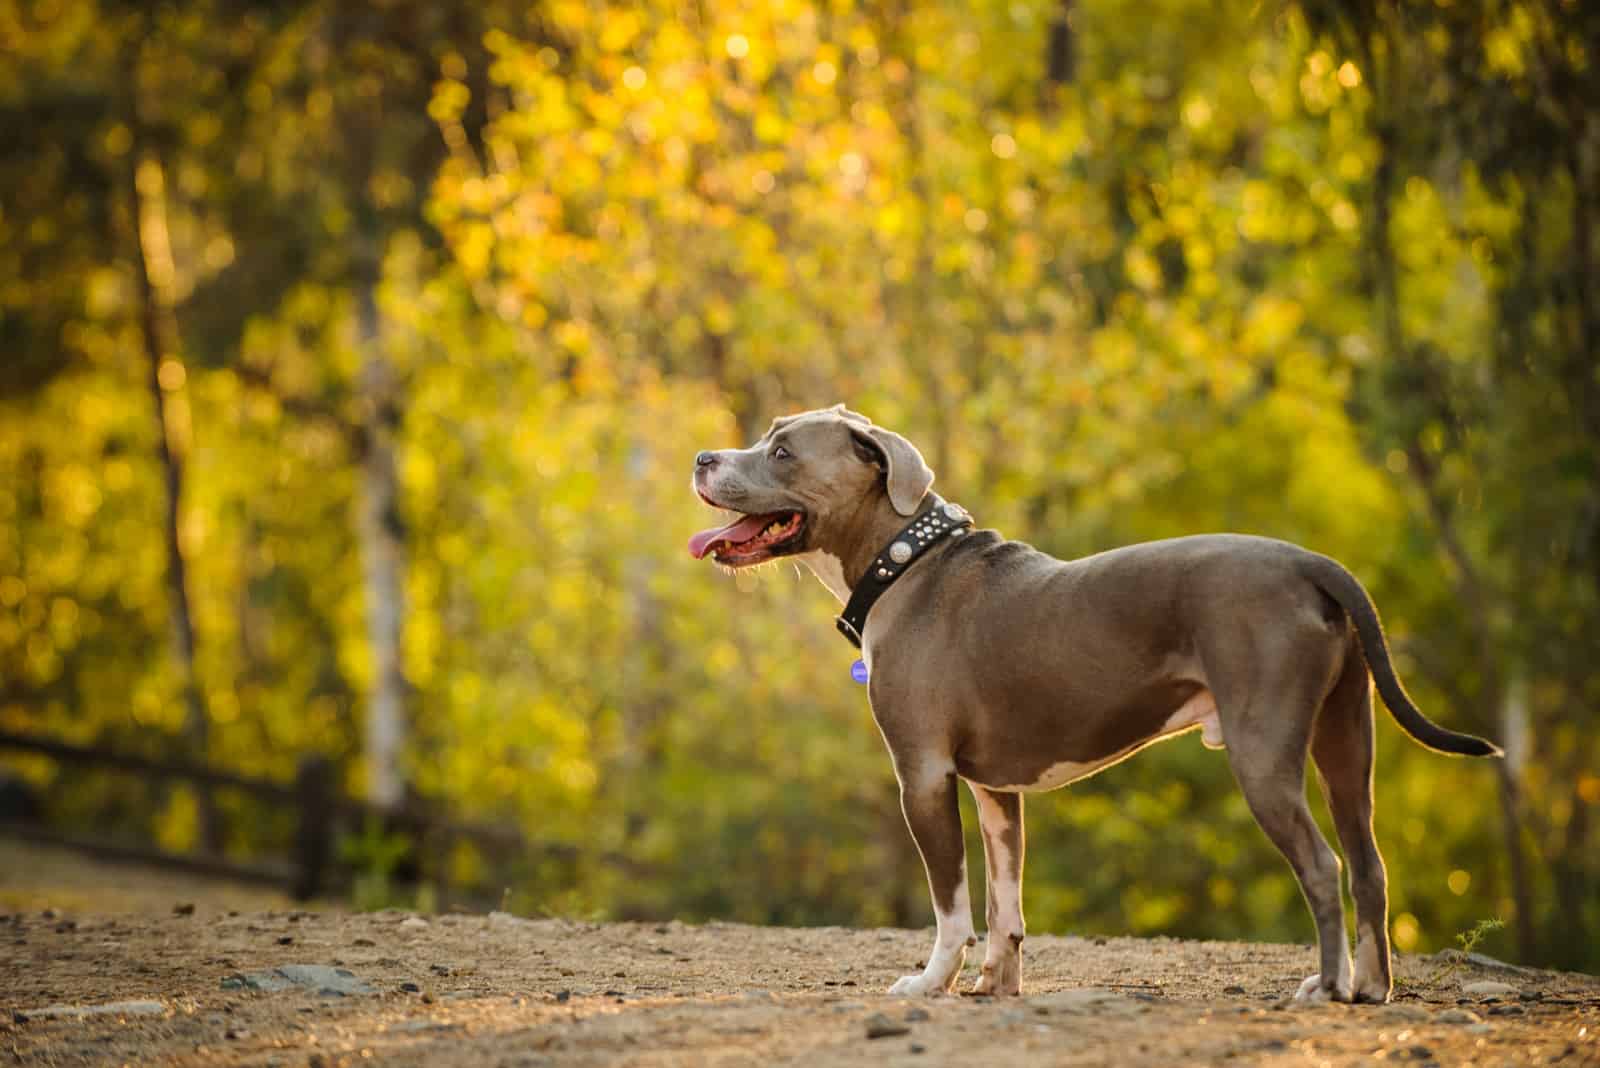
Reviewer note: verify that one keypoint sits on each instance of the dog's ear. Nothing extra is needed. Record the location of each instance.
(906, 473)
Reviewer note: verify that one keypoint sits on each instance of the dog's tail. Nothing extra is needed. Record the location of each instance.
(1329, 576)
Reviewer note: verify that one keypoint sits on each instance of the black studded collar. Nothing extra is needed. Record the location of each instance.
(938, 520)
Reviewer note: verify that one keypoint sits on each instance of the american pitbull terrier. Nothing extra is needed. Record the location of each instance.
(994, 663)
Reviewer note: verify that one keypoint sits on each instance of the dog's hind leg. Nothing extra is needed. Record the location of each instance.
(1342, 746)
(1000, 818)
(1268, 728)
(928, 797)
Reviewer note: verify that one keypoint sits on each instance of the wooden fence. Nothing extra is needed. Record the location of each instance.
(312, 867)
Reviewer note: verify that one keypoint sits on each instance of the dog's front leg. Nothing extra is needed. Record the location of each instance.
(1000, 817)
(928, 798)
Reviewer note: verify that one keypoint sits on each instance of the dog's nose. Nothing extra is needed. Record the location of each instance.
(706, 459)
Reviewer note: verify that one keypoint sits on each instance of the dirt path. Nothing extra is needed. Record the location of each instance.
(495, 990)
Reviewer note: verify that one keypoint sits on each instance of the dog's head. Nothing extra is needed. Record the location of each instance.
(807, 484)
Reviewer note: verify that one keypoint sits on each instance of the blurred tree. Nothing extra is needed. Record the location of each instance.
(1499, 427)
(150, 259)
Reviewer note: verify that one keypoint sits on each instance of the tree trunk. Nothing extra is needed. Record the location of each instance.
(1514, 736)
(153, 270)
(1473, 593)
(382, 537)
(1061, 57)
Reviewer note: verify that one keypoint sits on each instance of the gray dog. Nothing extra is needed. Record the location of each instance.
(997, 664)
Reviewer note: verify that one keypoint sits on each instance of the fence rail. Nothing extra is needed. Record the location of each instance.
(315, 798)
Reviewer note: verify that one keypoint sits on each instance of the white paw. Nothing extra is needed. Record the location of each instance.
(914, 986)
(1311, 989)
(1312, 992)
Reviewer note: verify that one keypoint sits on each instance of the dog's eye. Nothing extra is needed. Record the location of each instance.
(780, 453)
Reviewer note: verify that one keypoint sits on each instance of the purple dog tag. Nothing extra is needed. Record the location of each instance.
(858, 671)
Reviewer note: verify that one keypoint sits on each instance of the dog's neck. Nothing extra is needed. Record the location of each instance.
(843, 561)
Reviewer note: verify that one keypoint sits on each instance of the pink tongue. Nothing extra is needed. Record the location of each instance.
(739, 530)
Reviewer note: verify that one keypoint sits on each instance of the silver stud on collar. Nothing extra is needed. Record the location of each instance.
(955, 511)
(900, 552)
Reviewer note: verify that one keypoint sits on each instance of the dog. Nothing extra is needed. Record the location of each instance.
(994, 663)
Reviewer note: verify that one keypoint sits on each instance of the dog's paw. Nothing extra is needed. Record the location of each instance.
(914, 986)
(998, 979)
(989, 986)
(1312, 991)
(1371, 994)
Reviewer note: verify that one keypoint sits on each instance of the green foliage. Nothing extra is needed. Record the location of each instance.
(374, 855)
(1312, 271)
(1468, 940)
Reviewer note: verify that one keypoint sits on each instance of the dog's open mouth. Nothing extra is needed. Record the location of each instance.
(750, 539)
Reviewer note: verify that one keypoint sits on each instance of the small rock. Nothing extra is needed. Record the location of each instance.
(413, 922)
(1477, 1029)
(1507, 1010)
(1086, 1001)
(427, 997)
(286, 940)
(329, 982)
(662, 928)
(1483, 960)
(1488, 988)
(1531, 994)
(1420, 1053)
(918, 1047)
(439, 969)
(1458, 1016)
(917, 1015)
(1234, 989)
(363, 942)
(414, 1026)
(410, 988)
(880, 1026)
(234, 1034)
(1403, 1013)
(184, 909)
(113, 1008)
(563, 996)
